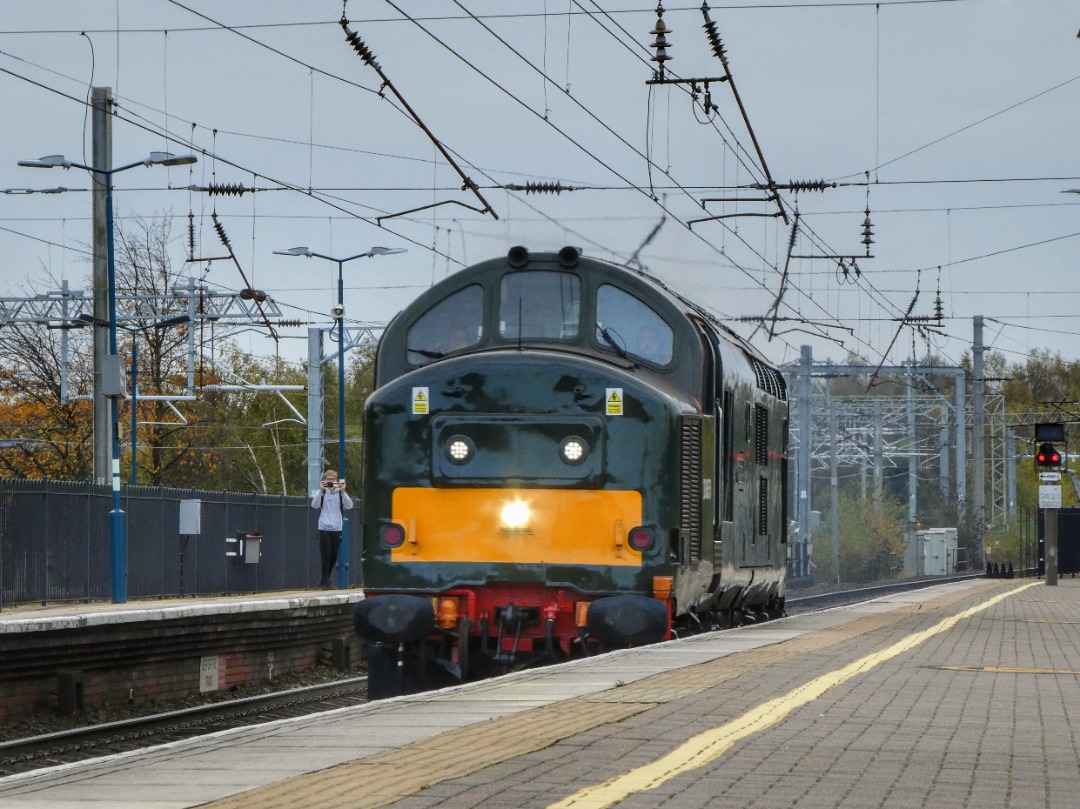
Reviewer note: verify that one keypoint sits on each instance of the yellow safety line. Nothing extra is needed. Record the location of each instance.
(710, 745)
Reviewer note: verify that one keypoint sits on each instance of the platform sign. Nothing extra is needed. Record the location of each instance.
(1050, 496)
(190, 517)
(420, 401)
(614, 400)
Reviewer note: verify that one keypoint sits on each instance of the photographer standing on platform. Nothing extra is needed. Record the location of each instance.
(331, 500)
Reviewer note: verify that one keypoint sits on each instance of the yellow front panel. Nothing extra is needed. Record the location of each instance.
(565, 527)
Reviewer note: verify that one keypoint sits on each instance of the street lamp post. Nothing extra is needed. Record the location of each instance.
(339, 317)
(117, 525)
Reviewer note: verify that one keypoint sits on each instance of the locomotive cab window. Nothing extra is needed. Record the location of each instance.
(540, 305)
(453, 324)
(626, 325)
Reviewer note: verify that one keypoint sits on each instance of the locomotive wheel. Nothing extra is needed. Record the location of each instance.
(776, 608)
(549, 639)
(383, 675)
(401, 668)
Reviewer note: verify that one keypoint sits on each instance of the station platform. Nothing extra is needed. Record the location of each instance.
(34, 617)
(960, 695)
(70, 657)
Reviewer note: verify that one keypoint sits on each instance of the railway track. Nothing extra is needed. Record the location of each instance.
(817, 601)
(79, 744)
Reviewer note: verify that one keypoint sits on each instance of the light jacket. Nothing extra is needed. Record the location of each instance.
(331, 505)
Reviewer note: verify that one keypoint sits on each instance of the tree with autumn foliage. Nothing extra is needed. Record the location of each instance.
(145, 272)
(249, 440)
(43, 433)
(48, 433)
(260, 436)
(870, 538)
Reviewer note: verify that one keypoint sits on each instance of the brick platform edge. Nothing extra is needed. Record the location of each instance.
(71, 668)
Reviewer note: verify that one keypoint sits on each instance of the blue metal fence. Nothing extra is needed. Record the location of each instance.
(54, 542)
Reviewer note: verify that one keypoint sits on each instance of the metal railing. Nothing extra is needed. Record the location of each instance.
(54, 542)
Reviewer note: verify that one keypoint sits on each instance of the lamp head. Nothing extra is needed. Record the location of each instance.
(48, 162)
(294, 251)
(385, 251)
(169, 159)
(172, 321)
(90, 320)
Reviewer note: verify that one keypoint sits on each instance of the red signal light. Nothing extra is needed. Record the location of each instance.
(1047, 455)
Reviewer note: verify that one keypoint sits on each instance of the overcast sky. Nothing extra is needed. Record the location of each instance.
(956, 122)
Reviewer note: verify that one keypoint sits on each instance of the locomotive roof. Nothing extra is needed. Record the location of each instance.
(690, 306)
(642, 285)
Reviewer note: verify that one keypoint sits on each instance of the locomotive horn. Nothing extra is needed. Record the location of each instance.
(569, 256)
(518, 256)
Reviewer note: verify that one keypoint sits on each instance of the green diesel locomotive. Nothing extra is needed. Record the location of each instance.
(561, 456)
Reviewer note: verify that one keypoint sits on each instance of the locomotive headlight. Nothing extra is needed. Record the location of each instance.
(460, 449)
(573, 450)
(515, 515)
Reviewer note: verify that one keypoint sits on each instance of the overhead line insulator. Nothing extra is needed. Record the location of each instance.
(226, 190)
(867, 231)
(540, 188)
(807, 185)
(221, 232)
(661, 43)
(714, 37)
(358, 45)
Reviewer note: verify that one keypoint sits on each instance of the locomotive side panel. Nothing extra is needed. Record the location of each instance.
(753, 532)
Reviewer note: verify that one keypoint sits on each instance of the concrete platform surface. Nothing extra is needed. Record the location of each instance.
(960, 695)
(38, 617)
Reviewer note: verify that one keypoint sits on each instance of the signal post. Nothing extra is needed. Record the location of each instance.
(1048, 461)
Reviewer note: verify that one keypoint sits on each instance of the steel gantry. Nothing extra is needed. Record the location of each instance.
(918, 430)
(227, 312)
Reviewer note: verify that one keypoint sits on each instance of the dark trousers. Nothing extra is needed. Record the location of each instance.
(329, 543)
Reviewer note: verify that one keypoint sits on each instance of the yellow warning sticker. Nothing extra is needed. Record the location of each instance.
(420, 401)
(614, 399)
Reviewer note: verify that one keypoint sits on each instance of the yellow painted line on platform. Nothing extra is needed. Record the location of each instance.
(1005, 670)
(395, 774)
(710, 745)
